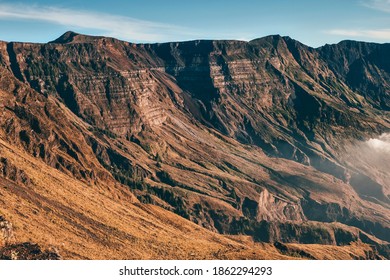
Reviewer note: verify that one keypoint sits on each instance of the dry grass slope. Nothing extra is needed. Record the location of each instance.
(106, 222)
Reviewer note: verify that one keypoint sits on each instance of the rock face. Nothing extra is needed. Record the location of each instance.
(13, 173)
(6, 232)
(27, 251)
(228, 134)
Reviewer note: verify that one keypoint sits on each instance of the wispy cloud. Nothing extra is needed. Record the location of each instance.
(381, 5)
(381, 144)
(382, 34)
(122, 27)
(379, 34)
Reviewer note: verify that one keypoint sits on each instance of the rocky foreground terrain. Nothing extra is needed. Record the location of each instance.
(267, 149)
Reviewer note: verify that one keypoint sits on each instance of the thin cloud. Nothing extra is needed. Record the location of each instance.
(380, 34)
(381, 144)
(380, 5)
(376, 34)
(126, 28)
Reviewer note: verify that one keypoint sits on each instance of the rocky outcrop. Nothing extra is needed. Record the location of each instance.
(6, 232)
(270, 207)
(13, 173)
(27, 251)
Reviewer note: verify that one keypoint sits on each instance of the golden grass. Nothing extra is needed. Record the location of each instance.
(107, 222)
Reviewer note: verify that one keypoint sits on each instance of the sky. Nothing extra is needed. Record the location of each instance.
(312, 22)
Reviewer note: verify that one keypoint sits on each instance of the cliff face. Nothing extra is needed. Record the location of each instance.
(228, 134)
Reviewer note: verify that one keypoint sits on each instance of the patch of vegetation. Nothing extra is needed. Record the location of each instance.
(166, 178)
(158, 160)
(106, 132)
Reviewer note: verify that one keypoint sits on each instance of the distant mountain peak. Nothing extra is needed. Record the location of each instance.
(73, 37)
(273, 37)
(65, 38)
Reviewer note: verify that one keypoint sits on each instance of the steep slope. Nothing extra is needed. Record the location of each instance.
(238, 137)
(77, 221)
(58, 216)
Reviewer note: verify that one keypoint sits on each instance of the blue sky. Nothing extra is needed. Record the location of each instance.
(312, 22)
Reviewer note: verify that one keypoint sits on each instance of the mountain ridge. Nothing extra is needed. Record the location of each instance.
(71, 33)
(238, 137)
